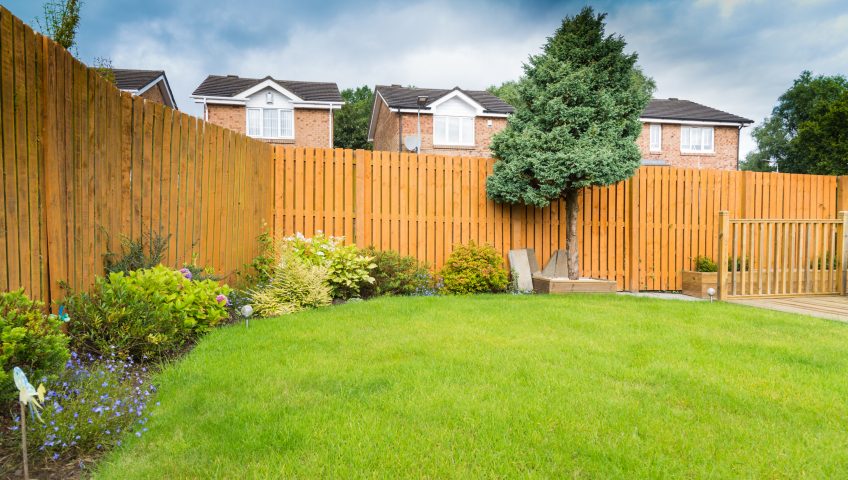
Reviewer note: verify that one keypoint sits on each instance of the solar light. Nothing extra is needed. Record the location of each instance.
(711, 292)
(246, 311)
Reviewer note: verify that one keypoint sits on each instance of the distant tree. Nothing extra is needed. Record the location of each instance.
(804, 103)
(351, 121)
(103, 67)
(824, 139)
(507, 91)
(575, 125)
(61, 20)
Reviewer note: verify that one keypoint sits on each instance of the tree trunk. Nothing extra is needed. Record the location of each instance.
(571, 211)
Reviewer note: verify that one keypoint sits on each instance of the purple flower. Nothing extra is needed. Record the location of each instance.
(186, 273)
(221, 298)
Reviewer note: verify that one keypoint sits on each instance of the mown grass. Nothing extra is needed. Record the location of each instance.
(505, 387)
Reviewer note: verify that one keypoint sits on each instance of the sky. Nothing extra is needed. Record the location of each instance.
(734, 55)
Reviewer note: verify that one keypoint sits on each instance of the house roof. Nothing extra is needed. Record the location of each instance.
(232, 85)
(407, 97)
(138, 81)
(685, 110)
(127, 79)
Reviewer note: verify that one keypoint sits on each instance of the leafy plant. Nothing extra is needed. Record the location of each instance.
(347, 268)
(30, 339)
(146, 313)
(89, 407)
(145, 252)
(396, 274)
(739, 263)
(295, 286)
(474, 268)
(705, 264)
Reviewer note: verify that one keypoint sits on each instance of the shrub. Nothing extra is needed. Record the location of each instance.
(146, 313)
(705, 264)
(89, 408)
(396, 275)
(138, 254)
(347, 268)
(296, 285)
(30, 339)
(474, 268)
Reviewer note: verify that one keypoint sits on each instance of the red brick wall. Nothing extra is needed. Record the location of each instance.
(726, 141)
(386, 129)
(227, 116)
(312, 127)
(154, 94)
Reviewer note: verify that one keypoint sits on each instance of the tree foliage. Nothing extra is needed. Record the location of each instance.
(351, 121)
(806, 106)
(61, 20)
(576, 121)
(507, 91)
(578, 117)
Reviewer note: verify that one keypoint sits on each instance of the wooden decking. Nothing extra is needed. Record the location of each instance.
(830, 307)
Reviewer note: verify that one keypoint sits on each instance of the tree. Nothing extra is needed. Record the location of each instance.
(576, 124)
(507, 91)
(351, 121)
(805, 101)
(824, 140)
(61, 20)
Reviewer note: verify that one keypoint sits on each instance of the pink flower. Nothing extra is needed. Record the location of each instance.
(221, 298)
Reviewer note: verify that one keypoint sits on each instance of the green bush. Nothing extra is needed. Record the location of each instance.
(146, 313)
(146, 252)
(705, 264)
(30, 339)
(474, 268)
(347, 268)
(296, 285)
(396, 275)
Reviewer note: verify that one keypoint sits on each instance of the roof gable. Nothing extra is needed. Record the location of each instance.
(139, 81)
(396, 97)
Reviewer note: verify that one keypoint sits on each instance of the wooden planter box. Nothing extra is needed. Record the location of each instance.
(542, 284)
(695, 284)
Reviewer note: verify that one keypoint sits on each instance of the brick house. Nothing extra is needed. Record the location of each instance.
(149, 84)
(276, 111)
(674, 132)
(453, 122)
(681, 133)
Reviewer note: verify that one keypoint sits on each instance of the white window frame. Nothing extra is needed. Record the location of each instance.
(443, 142)
(655, 137)
(261, 111)
(701, 130)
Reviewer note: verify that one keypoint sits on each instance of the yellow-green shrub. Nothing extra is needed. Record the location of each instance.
(294, 286)
(474, 268)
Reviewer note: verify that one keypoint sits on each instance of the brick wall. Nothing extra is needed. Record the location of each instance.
(726, 141)
(227, 116)
(482, 135)
(386, 129)
(154, 94)
(312, 127)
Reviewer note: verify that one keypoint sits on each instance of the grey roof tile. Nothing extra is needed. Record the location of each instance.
(675, 109)
(129, 79)
(407, 97)
(232, 85)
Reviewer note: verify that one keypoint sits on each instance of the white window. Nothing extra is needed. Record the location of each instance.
(270, 123)
(449, 130)
(696, 139)
(656, 137)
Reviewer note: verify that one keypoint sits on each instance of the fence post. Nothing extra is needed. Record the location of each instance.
(633, 234)
(842, 236)
(723, 250)
(360, 227)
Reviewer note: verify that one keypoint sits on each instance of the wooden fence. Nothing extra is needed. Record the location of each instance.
(641, 232)
(782, 257)
(85, 164)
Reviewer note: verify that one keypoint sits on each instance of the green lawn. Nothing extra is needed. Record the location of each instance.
(505, 387)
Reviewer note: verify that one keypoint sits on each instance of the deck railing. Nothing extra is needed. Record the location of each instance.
(777, 257)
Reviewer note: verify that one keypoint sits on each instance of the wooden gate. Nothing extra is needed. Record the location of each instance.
(775, 257)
